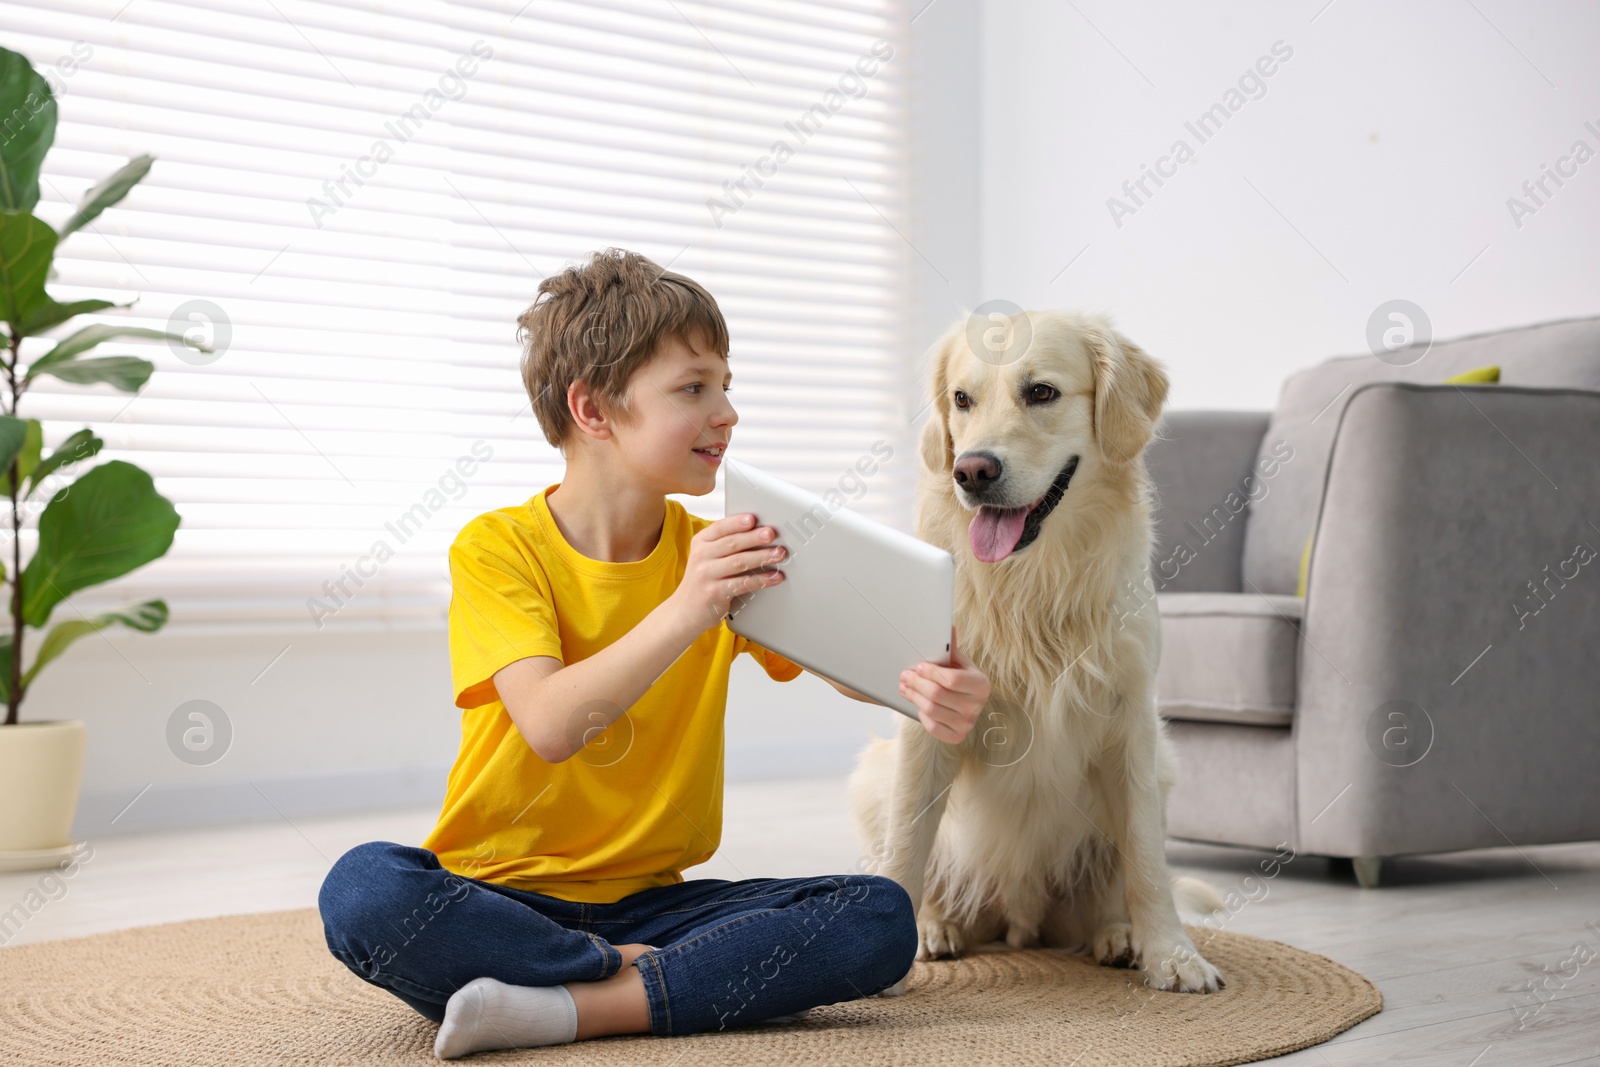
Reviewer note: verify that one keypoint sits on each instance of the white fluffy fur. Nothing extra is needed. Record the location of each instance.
(1064, 845)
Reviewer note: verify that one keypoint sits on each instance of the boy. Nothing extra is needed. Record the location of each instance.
(590, 653)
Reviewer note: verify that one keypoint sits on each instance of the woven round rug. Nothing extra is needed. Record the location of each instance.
(263, 989)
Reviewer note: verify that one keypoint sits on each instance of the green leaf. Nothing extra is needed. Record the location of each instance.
(108, 192)
(80, 446)
(29, 111)
(127, 373)
(26, 245)
(5, 667)
(109, 522)
(28, 454)
(90, 336)
(13, 435)
(47, 314)
(147, 617)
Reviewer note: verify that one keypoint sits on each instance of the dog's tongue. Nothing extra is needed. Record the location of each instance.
(995, 531)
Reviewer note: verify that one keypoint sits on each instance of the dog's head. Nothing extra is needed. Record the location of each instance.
(1042, 402)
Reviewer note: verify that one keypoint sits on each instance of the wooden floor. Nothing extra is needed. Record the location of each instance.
(1453, 941)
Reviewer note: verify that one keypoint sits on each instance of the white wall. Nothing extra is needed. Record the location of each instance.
(944, 246)
(319, 723)
(1391, 140)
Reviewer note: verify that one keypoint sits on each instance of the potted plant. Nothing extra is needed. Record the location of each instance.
(100, 525)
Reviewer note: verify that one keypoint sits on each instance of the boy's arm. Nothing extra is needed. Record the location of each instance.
(558, 709)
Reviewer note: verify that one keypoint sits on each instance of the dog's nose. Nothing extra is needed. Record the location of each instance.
(977, 471)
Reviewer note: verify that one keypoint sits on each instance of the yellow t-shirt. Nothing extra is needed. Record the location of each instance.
(643, 799)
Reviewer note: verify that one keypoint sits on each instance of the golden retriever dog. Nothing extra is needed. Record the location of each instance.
(1046, 824)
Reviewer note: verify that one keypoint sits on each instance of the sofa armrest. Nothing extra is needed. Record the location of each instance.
(1203, 465)
(1450, 657)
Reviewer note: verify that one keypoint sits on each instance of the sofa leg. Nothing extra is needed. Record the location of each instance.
(1369, 870)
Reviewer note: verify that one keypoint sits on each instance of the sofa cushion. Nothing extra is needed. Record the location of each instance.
(1560, 354)
(1206, 473)
(1228, 657)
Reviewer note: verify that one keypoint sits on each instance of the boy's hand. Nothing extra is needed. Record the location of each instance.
(723, 563)
(948, 699)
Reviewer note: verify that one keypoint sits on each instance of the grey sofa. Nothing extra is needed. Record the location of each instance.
(1438, 685)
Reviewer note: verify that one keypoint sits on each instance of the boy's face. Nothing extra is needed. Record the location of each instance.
(679, 405)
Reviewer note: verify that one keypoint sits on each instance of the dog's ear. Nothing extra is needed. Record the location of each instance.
(1129, 388)
(937, 450)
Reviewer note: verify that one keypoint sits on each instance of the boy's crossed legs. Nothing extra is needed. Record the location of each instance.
(496, 965)
(488, 1014)
(615, 1005)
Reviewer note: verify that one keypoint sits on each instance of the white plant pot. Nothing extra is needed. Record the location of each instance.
(41, 768)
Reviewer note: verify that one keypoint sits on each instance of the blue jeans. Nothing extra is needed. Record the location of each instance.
(726, 953)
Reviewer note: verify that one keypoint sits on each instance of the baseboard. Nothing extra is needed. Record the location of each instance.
(308, 795)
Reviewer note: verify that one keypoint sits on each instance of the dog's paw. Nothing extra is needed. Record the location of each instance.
(1113, 946)
(896, 990)
(1182, 969)
(939, 937)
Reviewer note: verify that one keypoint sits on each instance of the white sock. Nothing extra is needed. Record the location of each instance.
(486, 1014)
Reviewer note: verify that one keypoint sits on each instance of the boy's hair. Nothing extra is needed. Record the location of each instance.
(600, 321)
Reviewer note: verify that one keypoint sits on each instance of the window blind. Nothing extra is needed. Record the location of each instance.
(352, 201)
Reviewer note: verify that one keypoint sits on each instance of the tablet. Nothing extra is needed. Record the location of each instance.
(860, 601)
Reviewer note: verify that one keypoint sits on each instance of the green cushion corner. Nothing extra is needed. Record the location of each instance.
(1477, 374)
(1305, 562)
